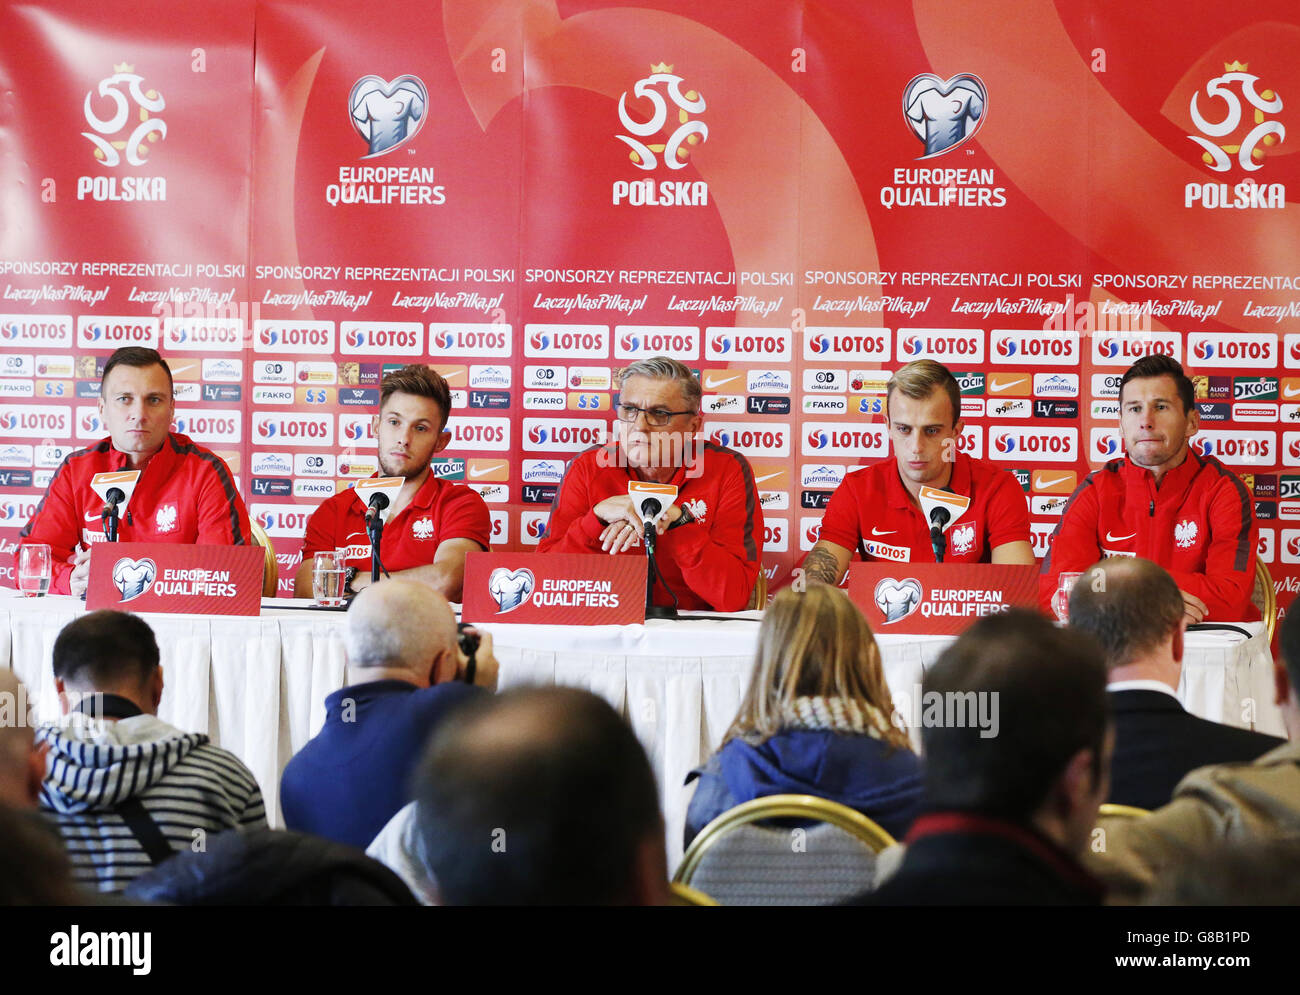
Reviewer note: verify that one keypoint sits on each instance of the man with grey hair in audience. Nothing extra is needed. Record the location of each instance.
(407, 674)
(709, 539)
(1133, 608)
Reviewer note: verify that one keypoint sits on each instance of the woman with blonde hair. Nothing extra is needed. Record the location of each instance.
(816, 720)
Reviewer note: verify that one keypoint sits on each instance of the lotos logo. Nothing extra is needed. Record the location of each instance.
(510, 588)
(770, 440)
(281, 519)
(643, 341)
(315, 338)
(675, 148)
(944, 114)
(844, 439)
(354, 432)
(1236, 448)
(1108, 348)
(294, 429)
(756, 344)
(1057, 445)
(1293, 546)
(1241, 350)
(377, 338)
(629, 343)
(36, 422)
(1042, 347)
(1122, 350)
(570, 341)
(941, 344)
(53, 331)
(112, 331)
(110, 137)
(844, 345)
(208, 334)
(913, 346)
(536, 528)
(818, 440)
(818, 343)
(1106, 445)
(387, 115)
(471, 339)
(537, 436)
(484, 433)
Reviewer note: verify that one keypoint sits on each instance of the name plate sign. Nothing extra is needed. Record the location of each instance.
(938, 599)
(554, 588)
(175, 578)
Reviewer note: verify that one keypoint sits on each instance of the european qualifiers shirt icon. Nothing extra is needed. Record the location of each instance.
(944, 113)
(897, 599)
(133, 577)
(387, 115)
(510, 588)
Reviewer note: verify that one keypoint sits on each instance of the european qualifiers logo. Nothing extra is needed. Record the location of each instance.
(120, 113)
(944, 115)
(1232, 115)
(663, 140)
(897, 599)
(133, 577)
(386, 116)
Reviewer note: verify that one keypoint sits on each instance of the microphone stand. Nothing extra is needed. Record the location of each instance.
(375, 529)
(110, 516)
(653, 610)
(939, 542)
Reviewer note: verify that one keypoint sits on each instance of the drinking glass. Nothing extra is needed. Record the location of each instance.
(1061, 599)
(34, 569)
(328, 569)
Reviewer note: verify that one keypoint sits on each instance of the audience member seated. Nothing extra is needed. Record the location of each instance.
(126, 789)
(271, 867)
(540, 796)
(1260, 872)
(817, 719)
(1133, 608)
(22, 759)
(1015, 769)
(402, 654)
(1227, 803)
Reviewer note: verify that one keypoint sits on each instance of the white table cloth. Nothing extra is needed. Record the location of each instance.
(257, 686)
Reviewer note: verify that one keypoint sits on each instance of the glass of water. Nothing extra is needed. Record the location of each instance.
(1061, 599)
(327, 573)
(34, 569)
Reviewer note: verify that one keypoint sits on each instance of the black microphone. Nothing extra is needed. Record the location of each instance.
(378, 502)
(112, 499)
(938, 519)
(650, 509)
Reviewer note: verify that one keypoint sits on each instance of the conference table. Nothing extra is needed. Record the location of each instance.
(257, 685)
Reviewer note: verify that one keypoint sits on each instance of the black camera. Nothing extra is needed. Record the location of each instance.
(469, 640)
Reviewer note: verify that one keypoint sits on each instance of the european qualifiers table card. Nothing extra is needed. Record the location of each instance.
(554, 588)
(175, 578)
(936, 598)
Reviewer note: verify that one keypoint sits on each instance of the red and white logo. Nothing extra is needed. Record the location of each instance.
(291, 429)
(532, 526)
(644, 341)
(1236, 350)
(747, 344)
(1052, 445)
(567, 341)
(381, 338)
(962, 539)
(1037, 348)
(863, 345)
(210, 424)
(114, 331)
(203, 334)
(315, 338)
(470, 339)
(25, 331)
(776, 535)
(563, 435)
(28, 421)
(770, 440)
(1126, 348)
(1239, 448)
(422, 528)
(485, 434)
(942, 344)
(166, 518)
(840, 439)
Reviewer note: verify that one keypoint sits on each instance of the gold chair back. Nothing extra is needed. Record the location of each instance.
(1122, 812)
(271, 570)
(758, 597)
(1264, 596)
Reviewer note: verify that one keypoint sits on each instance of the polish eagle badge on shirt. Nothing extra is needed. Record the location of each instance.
(165, 519)
(422, 528)
(963, 538)
(1186, 534)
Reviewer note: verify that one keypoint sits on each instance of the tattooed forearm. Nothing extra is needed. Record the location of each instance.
(822, 567)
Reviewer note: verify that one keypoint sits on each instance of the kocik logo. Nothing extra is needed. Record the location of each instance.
(387, 115)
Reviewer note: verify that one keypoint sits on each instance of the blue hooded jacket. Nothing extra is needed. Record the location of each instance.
(882, 782)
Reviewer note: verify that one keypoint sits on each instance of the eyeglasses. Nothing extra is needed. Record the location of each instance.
(655, 417)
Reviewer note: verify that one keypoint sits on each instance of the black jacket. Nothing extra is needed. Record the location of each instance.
(272, 867)
(1158, 742)
(956, 858)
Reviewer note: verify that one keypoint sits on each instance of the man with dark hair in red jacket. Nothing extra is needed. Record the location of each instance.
(1163, 502)
(185, 493)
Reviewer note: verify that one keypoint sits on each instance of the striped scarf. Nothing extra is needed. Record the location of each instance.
(836, 715)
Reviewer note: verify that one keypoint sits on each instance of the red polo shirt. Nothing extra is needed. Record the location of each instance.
(440, 510)
(872, 512)
(712, 562)
(185, 494)
(1199, 525)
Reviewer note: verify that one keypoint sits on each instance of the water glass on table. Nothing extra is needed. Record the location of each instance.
(327, 573)
(34, 569)
(1061, 598)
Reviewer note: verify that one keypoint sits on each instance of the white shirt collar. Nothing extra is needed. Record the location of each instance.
(1143, 685)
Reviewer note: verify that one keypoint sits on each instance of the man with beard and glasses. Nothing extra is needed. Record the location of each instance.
(432, 524)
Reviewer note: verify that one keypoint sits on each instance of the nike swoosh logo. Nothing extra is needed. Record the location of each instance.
(1111, 538)
(1289, 392)
(768, 476)
(1054, 481)
(477, 472)
(998, 388)
(711, 384)
(876, 532)
(95, 517)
